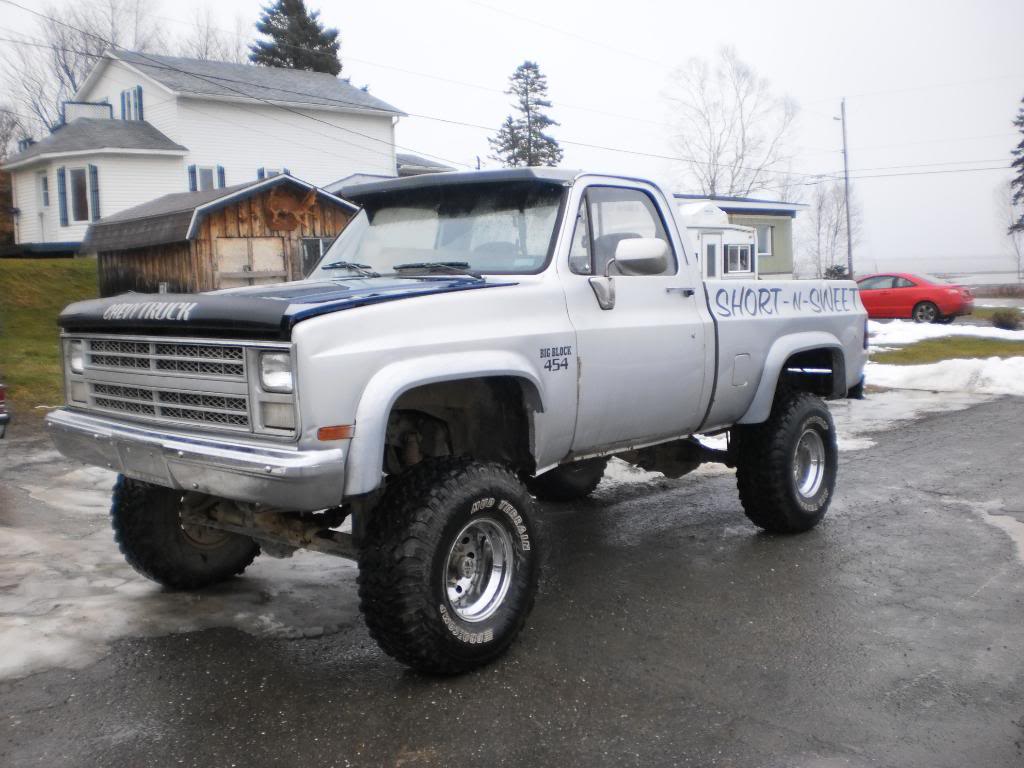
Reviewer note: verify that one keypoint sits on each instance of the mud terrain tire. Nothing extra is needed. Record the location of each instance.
(569, 482)
(147, 528)
(419, 559)
(786, 467)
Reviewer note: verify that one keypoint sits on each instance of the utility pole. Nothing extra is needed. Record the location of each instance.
(846, 185)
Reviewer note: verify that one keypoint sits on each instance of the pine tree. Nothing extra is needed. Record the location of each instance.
(521, 140)
(1017, 185)
(298, 40)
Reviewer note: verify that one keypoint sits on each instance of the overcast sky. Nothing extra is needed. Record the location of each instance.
(930, 86)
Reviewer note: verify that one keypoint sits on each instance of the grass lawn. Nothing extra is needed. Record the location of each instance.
(985, 313)
(949, 347)
(32, 294)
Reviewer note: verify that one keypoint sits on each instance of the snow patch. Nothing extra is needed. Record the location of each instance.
(907, 332)
(992, 376)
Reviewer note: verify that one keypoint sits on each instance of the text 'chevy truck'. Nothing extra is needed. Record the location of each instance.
(469, 342)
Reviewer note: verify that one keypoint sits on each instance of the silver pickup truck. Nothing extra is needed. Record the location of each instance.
(471, 341)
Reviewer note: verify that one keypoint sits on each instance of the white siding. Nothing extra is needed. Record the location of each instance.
(124, 181)
(159, 107)
(245, 137)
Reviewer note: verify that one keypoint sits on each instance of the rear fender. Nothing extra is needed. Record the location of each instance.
(363, 470)
(783, 349)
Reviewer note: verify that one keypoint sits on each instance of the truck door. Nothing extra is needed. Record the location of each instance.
(641, 362)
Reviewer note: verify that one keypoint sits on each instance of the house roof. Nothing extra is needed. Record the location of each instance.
(248, 82)
(747, 205)
(410, 165)
(88, 134)
(175, 218)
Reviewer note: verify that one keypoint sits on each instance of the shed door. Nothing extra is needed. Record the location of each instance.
(249, 261)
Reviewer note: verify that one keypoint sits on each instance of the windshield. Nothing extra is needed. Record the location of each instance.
(486, 228)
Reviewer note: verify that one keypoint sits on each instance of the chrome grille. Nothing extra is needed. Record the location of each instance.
(196, 407)
(210, 360)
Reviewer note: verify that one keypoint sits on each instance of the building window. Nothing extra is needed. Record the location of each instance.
(79, 195)
(764, 239)
(44, 190)
(313, 249)
(206, 177)
(131, 103)
(737, 259)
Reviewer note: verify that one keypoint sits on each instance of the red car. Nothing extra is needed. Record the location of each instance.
(4, 415)
(922, 299)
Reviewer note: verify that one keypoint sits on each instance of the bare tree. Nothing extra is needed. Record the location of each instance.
(1009, 213)
(821, 242)
(11, 130)
(209, 42)
(43, 69)
(731, 127)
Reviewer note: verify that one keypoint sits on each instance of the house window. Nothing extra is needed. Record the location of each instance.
(206, 177)
(79, 195)
(737, 259)
(764, 239)
(44, 190)
(131, 103)
(313, 249)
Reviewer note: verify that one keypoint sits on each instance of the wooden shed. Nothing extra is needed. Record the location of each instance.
(265, 231)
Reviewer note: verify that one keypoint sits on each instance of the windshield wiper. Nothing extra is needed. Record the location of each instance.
(455, 267)
(363, 269)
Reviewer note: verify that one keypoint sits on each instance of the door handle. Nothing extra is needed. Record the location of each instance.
(679, 290)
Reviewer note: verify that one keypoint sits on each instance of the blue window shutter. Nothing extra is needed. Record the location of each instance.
(220, 176)
(124, 108)
(261, 173)
(138, 94)
(62, 195)
(192, 186)
(94, 192)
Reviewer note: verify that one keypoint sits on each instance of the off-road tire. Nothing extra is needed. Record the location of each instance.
(925, 312)
(766, 455)
(147, 528)
(405, 559)
(569, 482)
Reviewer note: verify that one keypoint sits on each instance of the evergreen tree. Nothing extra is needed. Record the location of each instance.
(521, 140)
(297, 39)
(1017, 185)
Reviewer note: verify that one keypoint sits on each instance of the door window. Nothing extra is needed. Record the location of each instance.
(877, 283)
(711, 255)
(608, 216)
(902, 282)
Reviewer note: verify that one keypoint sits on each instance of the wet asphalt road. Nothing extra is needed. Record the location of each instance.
(668, 632)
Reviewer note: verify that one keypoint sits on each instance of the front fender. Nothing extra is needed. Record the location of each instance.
(366, 453)
(784, 348)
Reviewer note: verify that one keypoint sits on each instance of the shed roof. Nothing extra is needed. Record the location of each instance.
(747, 205)
(94, 134)
(248, 82)
(175, 218)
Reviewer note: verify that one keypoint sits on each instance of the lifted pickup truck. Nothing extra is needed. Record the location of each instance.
(470, 341)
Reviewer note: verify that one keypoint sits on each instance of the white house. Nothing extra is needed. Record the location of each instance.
(142, 126)
(724, 249)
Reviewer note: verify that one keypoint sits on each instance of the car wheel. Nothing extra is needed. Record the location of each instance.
(786, 467)
(925, 312)
(448, 569)
(147, 527)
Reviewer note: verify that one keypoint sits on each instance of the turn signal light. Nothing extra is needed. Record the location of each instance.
(338, 432)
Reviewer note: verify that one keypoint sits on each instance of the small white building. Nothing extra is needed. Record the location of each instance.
(142, 126)
(725, 250)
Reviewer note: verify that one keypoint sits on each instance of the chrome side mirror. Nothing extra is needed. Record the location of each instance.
(641, 256)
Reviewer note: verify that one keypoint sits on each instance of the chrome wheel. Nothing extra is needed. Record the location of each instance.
(809, 463)
(479, 569)
(925, 312)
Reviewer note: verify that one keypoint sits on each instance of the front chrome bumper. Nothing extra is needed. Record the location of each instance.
(279, 476)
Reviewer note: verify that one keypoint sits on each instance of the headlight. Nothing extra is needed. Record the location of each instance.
(276, 372)
(76, 356)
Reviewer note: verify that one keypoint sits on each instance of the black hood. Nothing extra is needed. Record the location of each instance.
(258, 312)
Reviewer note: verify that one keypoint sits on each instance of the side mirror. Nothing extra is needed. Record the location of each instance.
(641, 256)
